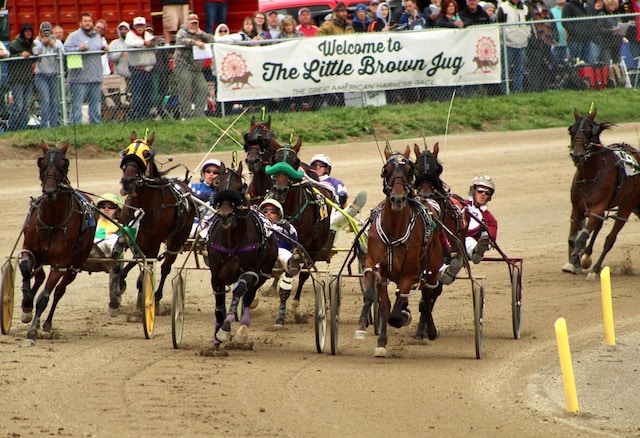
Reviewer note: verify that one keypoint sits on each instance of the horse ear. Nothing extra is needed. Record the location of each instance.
(387, 153)
(576, 114)
(592, 113)
(253, 121)
(133, 136)
(44, 147)
(240, 168)
(64, 148)
(407, 152)
(275, 144)
(151, 139)
(298, 144)
(416, 150)
(268, 124)
(436, 149)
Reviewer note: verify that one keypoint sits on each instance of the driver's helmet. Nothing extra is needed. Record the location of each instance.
(110, 197)
(275, 204)
(323, 159)
(211, 162)
(483, 181)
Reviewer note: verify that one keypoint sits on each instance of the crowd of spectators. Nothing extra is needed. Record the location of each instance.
(534, 47)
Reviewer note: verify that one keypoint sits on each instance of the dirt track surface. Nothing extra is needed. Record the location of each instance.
(100, 377)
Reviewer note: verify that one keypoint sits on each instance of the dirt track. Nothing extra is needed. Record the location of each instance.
(100, 377)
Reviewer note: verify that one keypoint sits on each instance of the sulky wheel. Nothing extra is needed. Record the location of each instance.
(334, 298)
(6, 296)
(177, 310)
(321, 315)
(516, 300)
(149, 302)
(478, 307)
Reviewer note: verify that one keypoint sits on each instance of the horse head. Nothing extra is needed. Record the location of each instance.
(258, 144)
(428, 171)
(137, 161)
(398, 174)
(585, 133)
(285, 169)
(231, 196)
(54, 167)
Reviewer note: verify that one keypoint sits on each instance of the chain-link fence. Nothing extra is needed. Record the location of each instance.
(43, 91)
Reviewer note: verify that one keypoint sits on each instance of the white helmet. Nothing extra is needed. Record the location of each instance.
(484, 181)
(273, 202)
(323, 159)
(211, 162)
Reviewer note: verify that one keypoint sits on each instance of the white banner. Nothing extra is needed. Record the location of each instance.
(358, 62)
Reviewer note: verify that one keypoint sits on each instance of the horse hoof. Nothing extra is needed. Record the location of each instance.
(406, 316)
(592, 276)
(26, 317)
(28, 342)
(223, 336)
(242, 335)
(380, 352)
(433, 334)
(571, 269)
(294, 305)
(254, 303)
(113, 312)
(360, 334)
(585, 262)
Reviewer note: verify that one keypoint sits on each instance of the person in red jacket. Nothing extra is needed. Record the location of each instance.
(483, 226)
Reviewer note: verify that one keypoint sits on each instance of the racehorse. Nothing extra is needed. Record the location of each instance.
(58, 232)
(240, 250)
(169, 212)
(452, 223)
(304, 207)
(400, 245)
(606, 184)
(259, 146)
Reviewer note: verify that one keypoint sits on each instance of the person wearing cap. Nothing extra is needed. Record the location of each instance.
(273, 25)
(215, 14)
(46, 46)
(306, 26)
(338, 24)
(191, 84)
(174, 15)
(106, 236)
(372, 11)
(85, 82)
(141, 63)
(205, 190)
(479, 236)
(474, 14)
(412, 18)
(117, 55)
(361, 21)
(20, 77)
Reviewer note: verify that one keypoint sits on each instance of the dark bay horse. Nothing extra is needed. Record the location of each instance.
(240, 250)
(400, 244)
(58, 232)
(305, 208)
(450, 214)
(260, 147)
(606, 185)
(169, 213)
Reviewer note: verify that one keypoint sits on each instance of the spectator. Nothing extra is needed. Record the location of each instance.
(215, 14)
(473, 14)
(141, 64)
(288, 29)
(361, 22)
(383, 21)
(372, 13)
(516, 39)
(58, 33)
(560, 51)
(222, 34)
(433, 11)
(101, 27)
(193, 90)
(47, 77)
(3, 50)
(119, 58)
(247, 31)
(20, 77)
(306, 26)
(490, 9)
(610, 36)
(86, 82)
(338, 25)
(259, 25)
(580, 33)
(633, 34)
(273, 25)
(174, 15)
(539, 59)
(412, 19)
(449, 16)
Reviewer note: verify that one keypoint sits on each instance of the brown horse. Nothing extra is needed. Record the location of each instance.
(606, 185)
(400, 244)
(58, 232)
(305, 208)
(260, 146)
(450, 215)
(241, 251)
(169, 213)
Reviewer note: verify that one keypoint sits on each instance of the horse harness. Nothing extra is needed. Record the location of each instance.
(229, 252)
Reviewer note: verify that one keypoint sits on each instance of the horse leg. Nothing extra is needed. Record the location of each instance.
(67, 278)
(221, 310)
(285, 292)
(585, 259)
(370, 280)
(608, 244)
(28, 293)
(400, 314)
(247, 280)
(303, 276)
(573, 266)
(426, 323)
(42, 302)
(385, 307)
(115, 289)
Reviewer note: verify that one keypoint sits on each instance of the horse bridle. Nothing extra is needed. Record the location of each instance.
(399, 162)
(52, 171)
(586, 139)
